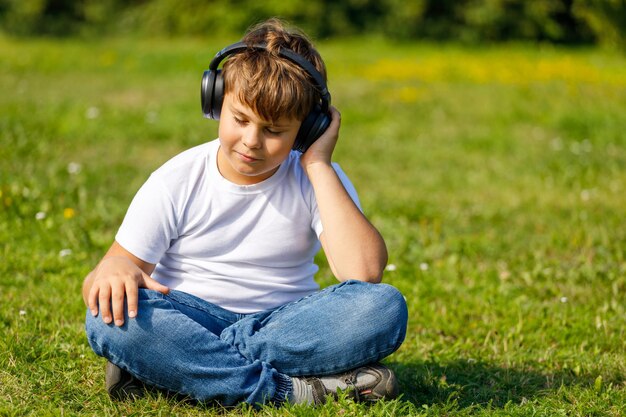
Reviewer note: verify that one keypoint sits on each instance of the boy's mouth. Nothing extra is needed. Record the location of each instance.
(247, 158)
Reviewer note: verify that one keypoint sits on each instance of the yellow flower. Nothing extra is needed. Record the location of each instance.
(69, 212)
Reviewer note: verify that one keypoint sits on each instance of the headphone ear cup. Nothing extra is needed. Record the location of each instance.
(313, 126)
(218, 95)
(212, 94)
(206, 91)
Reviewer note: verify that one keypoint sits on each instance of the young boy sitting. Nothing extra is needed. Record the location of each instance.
(208, 290)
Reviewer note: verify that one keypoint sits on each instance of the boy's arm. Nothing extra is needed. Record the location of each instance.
(117, 277)
(353, 246)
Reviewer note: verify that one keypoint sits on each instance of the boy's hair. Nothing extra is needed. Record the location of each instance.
(273, 86)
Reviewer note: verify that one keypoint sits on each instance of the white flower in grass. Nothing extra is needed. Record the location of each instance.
(40, 215)
(92, 113)
(424, 266)
(585, 195)
(73, 168)
(22, 312)
(65, 252)
(152, 117)
(563, 299)
(391, 267)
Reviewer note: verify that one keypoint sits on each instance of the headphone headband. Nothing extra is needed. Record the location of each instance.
(285, 53)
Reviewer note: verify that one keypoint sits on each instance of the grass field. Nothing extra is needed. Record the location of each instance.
(497, 176)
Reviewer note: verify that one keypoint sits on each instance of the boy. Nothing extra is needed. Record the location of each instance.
(208, 289)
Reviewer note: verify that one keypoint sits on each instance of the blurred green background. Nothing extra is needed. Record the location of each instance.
(561, 21)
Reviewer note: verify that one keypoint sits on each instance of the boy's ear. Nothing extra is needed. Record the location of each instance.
(212, 93)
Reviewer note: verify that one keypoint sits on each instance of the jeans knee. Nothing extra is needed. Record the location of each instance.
(387, 305)
(392, 302)
(383, 296)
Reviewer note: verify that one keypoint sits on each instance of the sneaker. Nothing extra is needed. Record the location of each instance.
(120, 384)
(365, 384)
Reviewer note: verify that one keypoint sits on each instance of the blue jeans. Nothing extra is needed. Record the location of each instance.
(186, 345)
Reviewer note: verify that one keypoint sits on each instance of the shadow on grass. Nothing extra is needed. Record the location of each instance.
(476, 383)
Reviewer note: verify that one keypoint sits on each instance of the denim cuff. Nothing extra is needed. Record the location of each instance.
(283, 389)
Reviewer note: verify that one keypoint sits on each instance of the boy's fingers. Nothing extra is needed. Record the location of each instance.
(335, 123)
(92, 300)
(152, 284)
(117, 302)
(104, 301)
(335, 117)
(132, 299)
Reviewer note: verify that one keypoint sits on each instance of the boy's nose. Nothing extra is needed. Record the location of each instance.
(252, 138)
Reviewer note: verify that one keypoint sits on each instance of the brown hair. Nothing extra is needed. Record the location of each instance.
(271, 85)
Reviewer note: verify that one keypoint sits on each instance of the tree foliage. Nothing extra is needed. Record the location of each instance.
(560, 21)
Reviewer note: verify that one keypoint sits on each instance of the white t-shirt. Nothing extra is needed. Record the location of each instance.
(246, 248)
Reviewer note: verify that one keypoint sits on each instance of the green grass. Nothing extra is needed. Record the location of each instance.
(496, 175)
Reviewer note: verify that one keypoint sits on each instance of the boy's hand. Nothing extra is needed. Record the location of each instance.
(117, 278)
(322, 149)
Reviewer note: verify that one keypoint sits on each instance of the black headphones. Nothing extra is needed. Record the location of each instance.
(313, 125)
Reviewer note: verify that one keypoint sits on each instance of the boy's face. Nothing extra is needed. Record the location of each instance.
(251, 149)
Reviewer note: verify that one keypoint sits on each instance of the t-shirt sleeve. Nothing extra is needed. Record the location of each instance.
(317, 222)
(150, 222)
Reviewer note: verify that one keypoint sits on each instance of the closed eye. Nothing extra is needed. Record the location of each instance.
(272, 131)
(240, 122)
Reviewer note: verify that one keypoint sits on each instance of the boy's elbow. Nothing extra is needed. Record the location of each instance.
(376, 275)
(374, 279)
(372, 272)
(367, 266)
(372, 276)
(361, 276)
